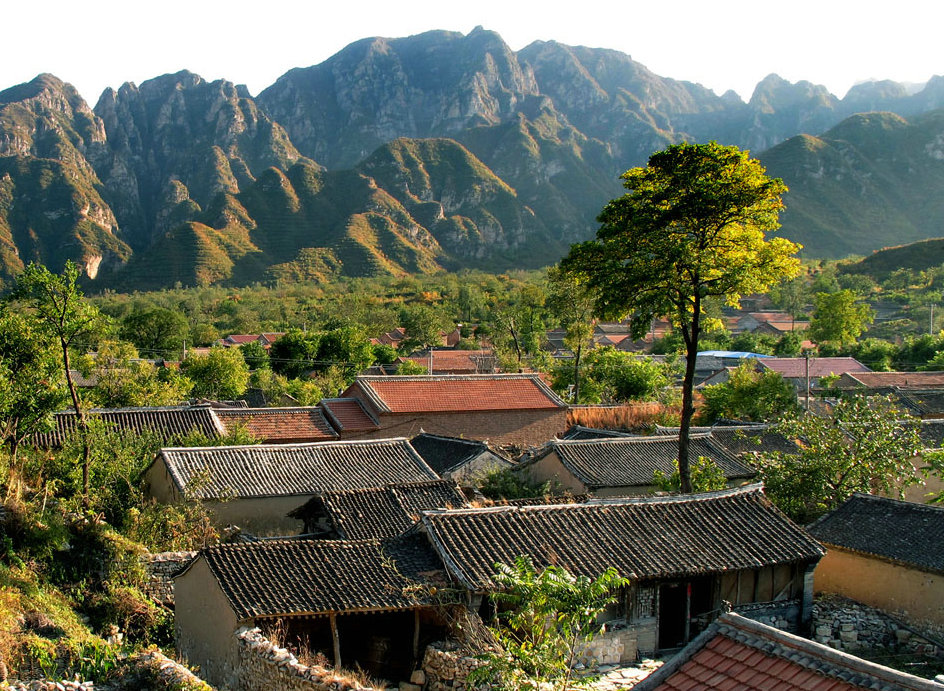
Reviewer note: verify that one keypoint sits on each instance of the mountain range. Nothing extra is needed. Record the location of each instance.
(441, 150)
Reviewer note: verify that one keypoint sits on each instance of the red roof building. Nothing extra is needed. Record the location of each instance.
(279, 425)
(503, 408)
(736, 653)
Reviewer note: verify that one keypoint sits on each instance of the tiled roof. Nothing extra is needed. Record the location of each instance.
(931, 433)
(663, 537)
(279, 424)
(241, 339)
(447, 453)
(740, 439)
(577, 432)
(169, 423)
(456, 393)
(266, 470)
(920, 402)
(458, 361)
(384, 512)
(911, 534)
(874, 380)
(738, 653)
(348, 415)
(631, 461)
(794, 367)
(272, 578)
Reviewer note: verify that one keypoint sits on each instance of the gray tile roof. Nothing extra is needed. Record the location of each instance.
(272, 578)
(578, 432)
(170, 423)
(382, 512)
(445, 454)
(266, 470)
(631, 461)
(911, 534)
(737, 653)
(652, 538)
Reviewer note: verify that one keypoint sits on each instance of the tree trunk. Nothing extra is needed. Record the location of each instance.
(688, 406)
(81, 424)
(577, 374)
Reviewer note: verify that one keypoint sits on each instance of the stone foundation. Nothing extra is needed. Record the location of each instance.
(264, 665)
(444, 668)
(848, 625)
(160, 569)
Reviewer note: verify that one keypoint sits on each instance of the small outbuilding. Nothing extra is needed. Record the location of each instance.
(257, 486)
(885, 553)
(623, 466)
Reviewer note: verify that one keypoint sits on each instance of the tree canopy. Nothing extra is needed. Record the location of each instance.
(692, 226)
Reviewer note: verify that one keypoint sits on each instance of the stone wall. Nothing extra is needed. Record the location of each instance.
(848, 625)
(444, 668)
(160, 569)
(263, 666)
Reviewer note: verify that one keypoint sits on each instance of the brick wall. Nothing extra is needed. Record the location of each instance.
(522, 428)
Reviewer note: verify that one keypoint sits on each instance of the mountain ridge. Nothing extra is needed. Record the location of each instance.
(429, 152)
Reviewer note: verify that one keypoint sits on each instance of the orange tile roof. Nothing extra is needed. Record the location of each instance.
(280, 424)
(458, 361)
(456, 393)
(737, 653)
(347, 414)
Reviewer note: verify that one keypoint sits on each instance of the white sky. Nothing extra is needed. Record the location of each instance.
(722, 44)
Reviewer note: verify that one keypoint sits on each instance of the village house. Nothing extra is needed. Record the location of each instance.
(744, 441)
(287, 425)
(735, 652)
(685, 557)
(455, 361)
(797, 369)
(170, 424)
(256, 487)
(361, 603)
(622, 466)
(506, 409)
(885, 553)
(463, 460)
(375, 512)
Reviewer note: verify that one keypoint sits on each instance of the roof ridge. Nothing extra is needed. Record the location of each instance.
(295, 445)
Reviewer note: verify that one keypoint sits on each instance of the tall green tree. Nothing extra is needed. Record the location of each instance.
(122, 379)
(61, 310)
(220, 374)
(692, 226)
(157, 332)
(31, 383)
(572, 301)
(865, 444)
(749, 394)
(839, 317)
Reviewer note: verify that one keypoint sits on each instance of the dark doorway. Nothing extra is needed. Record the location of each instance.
(684, 608)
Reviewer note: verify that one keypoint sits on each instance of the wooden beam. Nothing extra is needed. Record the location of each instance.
(416, 635)
(337, 642)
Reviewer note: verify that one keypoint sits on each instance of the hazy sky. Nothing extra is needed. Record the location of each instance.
(722, 44)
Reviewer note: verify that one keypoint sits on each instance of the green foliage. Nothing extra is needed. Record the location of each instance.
(221, 374)
(612, 376)
(547, 617)
(502, 483)
(123, 380)
(865, 444)
(411, 367)
(255, 355)
(749, 394)
(157, 332)
(692, 226)
(838, 317)
(424, 326)
(31, 382)
(706, 477)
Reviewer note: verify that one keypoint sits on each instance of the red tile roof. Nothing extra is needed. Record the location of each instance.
(347, 414)
(900, 379)
(738, 653)
(793, 367)
(457, 394)
(458, 361)
(240, 339)
(279, 424)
